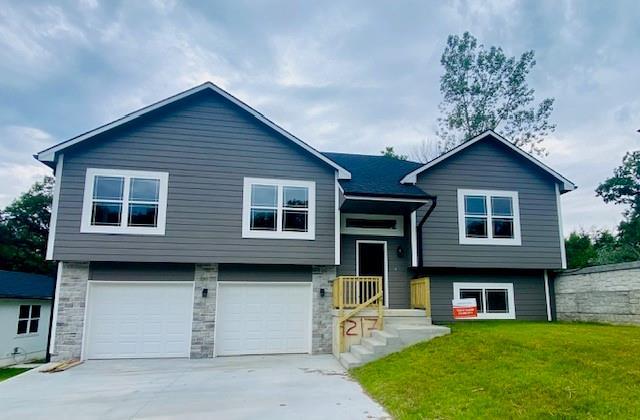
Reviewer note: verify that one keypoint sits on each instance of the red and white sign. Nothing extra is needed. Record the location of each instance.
(465, 308)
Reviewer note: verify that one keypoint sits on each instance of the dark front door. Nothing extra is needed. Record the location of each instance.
(371, 260)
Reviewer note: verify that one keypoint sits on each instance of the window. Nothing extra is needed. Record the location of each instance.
(371, 224)
(278, 209)
(28, 319)
(494, 300)
(124, 202)
(489, 217)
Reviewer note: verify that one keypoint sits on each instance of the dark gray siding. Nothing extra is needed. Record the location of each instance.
(489, 165)
(207, 146)
(528, 288)
(243, 272)
(399, 275)
(130, 271)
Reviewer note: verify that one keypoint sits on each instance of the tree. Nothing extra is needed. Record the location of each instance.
(389, 152)
(24, 226)
(427, 150)
(484, 89)
(624, 188)
(579, 249)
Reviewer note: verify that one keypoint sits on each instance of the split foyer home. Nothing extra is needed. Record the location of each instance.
(197, 227)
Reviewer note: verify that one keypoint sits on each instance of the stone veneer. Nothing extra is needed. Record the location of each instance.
(71, 305)
(322, 335)
(204, 311)
(606, 293)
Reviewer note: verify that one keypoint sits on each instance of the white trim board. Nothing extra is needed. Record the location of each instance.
(398, 231)
(563, 251)
(505, 286)
(411, 177)
(49, 155)
(386, 265)
(53, 221)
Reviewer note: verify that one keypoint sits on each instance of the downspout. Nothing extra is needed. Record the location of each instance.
(434, 201)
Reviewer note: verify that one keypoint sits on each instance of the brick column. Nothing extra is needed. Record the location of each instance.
(322, 276)
(204, 311)
(71, 308)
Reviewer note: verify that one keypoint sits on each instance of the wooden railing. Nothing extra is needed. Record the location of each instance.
(352, 294)
(420, 294)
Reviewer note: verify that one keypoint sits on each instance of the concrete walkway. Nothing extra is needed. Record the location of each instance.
(249, 387)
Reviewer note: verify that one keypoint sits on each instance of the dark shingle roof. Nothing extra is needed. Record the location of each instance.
(14, 284)
(377, 175)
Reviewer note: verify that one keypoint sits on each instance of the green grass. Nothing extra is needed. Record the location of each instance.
(6, 373)
(512, 369)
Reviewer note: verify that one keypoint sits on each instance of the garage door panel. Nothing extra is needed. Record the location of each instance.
(262, 318)
(137, 320)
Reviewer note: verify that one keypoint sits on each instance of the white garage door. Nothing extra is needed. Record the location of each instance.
(262, 318)
(139, 320)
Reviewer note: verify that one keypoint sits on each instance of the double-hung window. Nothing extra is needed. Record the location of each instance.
(279, 209)
(28, 319)
(124, 202)
(493, 300)
(489, 217)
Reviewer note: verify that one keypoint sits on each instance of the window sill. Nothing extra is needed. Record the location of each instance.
(490, 241)
(28, 335)
(119, 230)
(304, 236)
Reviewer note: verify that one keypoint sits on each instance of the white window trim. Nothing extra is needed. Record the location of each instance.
(506, 286)
(398, 231)
(279, 233)
(123, 229)
(490, 240)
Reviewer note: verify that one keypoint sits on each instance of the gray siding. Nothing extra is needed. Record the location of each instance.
(399, 274)
(489, 165)
(264, 273)
(528, 288)
(207, 146)
(124, 271)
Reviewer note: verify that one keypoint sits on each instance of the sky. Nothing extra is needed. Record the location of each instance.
(343, 76)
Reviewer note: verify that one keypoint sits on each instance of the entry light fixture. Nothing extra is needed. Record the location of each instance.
(205, 292)
(400, 252)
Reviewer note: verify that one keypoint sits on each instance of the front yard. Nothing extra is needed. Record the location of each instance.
(513, 369)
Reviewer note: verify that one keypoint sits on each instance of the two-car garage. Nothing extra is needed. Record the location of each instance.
(154, 319)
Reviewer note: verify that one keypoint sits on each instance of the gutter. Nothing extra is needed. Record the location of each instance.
(434, 202)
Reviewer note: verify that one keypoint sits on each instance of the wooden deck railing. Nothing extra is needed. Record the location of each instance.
(420, 294)
(352, 294)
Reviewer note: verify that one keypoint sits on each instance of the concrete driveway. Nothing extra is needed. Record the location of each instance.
(292, 387)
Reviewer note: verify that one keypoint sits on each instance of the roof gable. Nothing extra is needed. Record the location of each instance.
(49, 155)
(412, 176)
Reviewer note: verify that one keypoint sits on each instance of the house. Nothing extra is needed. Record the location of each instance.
(25, 311)
(196, 227)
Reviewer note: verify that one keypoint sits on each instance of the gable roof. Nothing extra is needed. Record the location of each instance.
(49, 155)
(377, 176)
(17, 285)
(412, 176)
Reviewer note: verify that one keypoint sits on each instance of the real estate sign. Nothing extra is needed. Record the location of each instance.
(465, 308)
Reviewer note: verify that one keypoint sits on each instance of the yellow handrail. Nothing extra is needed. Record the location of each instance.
(356, 293)
(420, 294)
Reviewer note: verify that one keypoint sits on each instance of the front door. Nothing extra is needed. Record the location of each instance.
(372, 261)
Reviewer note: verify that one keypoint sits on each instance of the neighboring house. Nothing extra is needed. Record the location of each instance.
(198, 227)
(25, 311)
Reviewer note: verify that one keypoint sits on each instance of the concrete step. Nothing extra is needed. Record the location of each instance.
(374, 344)
(362, 353)
(411, 334)
(385, 336)
(349, 361)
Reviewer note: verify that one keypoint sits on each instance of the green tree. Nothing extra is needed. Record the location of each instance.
(24, 226)
(389, 152)
(624, 188)
(483, 88)
(580, 250)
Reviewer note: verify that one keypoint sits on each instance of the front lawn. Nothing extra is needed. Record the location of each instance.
(6, 373)
(512, 369)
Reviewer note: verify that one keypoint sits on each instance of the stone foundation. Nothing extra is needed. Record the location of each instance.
(322, 277)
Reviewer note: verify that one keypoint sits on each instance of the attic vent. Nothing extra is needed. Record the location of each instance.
(372, 224)
(352, 222)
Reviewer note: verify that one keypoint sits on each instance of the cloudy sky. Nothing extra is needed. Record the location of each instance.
(348, 76)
